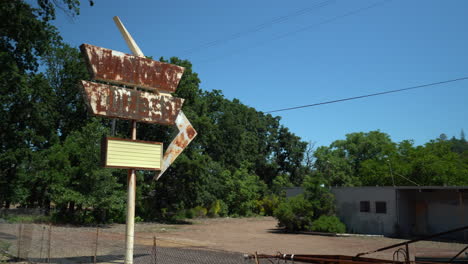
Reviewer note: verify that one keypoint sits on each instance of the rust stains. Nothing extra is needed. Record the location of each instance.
(191, 132)
(111, 101)
(114, 66)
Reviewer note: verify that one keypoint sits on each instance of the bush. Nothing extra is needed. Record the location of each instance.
(139, 219)
(189, 214)
(199, 211)
(329, 224)
(295, 213)
(28, 219)
(218, 208)
(270, 203)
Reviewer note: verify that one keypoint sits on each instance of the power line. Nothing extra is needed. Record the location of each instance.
(370, 95)
(350, 13)
(258, 28)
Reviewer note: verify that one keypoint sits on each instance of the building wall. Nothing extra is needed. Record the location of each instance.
(410, 212)
(348, 200)
(432, 211)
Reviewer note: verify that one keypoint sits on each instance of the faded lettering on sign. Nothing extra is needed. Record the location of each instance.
(114, 66)
(112, 101)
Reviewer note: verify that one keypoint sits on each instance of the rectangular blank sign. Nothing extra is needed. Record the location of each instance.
(131, 154)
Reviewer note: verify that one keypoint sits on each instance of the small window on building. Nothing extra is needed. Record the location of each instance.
(381, 207)
(365, 206)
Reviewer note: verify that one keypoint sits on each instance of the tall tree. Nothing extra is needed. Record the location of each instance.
(26, 112)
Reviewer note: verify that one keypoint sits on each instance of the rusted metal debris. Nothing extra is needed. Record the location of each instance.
(406, 243)
(116, 102)
(115, 66)
(324, 259)
(358, 259)
(186, 134)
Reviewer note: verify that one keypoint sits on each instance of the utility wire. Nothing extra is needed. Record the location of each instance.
(259, 27)
(260, 43)
(370, 95)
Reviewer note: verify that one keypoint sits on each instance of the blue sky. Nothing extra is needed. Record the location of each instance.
(314, 51)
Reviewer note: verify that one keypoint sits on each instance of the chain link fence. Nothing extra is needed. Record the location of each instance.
(37, 243)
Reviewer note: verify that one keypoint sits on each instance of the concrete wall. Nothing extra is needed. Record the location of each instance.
(410, 212)
(348, 209)
(432, 211)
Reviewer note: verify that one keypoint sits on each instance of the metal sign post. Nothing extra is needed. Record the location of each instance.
(155, 105)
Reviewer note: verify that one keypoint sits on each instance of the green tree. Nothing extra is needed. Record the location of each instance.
(26, 104)
(341, 163)
(69, 175)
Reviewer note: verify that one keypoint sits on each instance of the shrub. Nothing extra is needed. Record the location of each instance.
(295, 213)
(329, 224)
(189, 214)
(218, 208)
(28, 218)
(270, 203)
(199, 211)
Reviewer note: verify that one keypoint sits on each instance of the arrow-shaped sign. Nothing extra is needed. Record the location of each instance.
(186, 134)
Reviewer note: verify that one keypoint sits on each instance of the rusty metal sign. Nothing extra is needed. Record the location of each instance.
(121, 68)
(160, 107)
(186, 134)
(136, 71)
(116, 102)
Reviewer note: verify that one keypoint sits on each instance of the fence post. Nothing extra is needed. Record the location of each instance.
(96, 245)
(50, 242)
(154, 250)
(42, 243)
(20, 231)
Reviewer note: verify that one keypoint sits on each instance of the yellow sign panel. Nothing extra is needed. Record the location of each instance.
(131, 154)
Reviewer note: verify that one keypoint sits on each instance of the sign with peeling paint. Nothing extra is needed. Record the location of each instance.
(131, 154)
(186, 134)
(121, 68)
(117, 102)
(155, 106)
(132, 72)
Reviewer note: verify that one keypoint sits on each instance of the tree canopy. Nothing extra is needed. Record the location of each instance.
(238, 164)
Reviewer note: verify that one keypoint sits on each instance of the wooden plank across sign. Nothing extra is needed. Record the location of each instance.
(131, 154)
(121, 68)
(116, 102)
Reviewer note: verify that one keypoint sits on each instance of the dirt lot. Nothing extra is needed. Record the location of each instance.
(248, 235)
(242, 235)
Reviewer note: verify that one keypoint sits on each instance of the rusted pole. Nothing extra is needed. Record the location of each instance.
(96, 245)
(154, 250)
(131, 179)
(458, 254)
(407, 259)
(414, 240)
